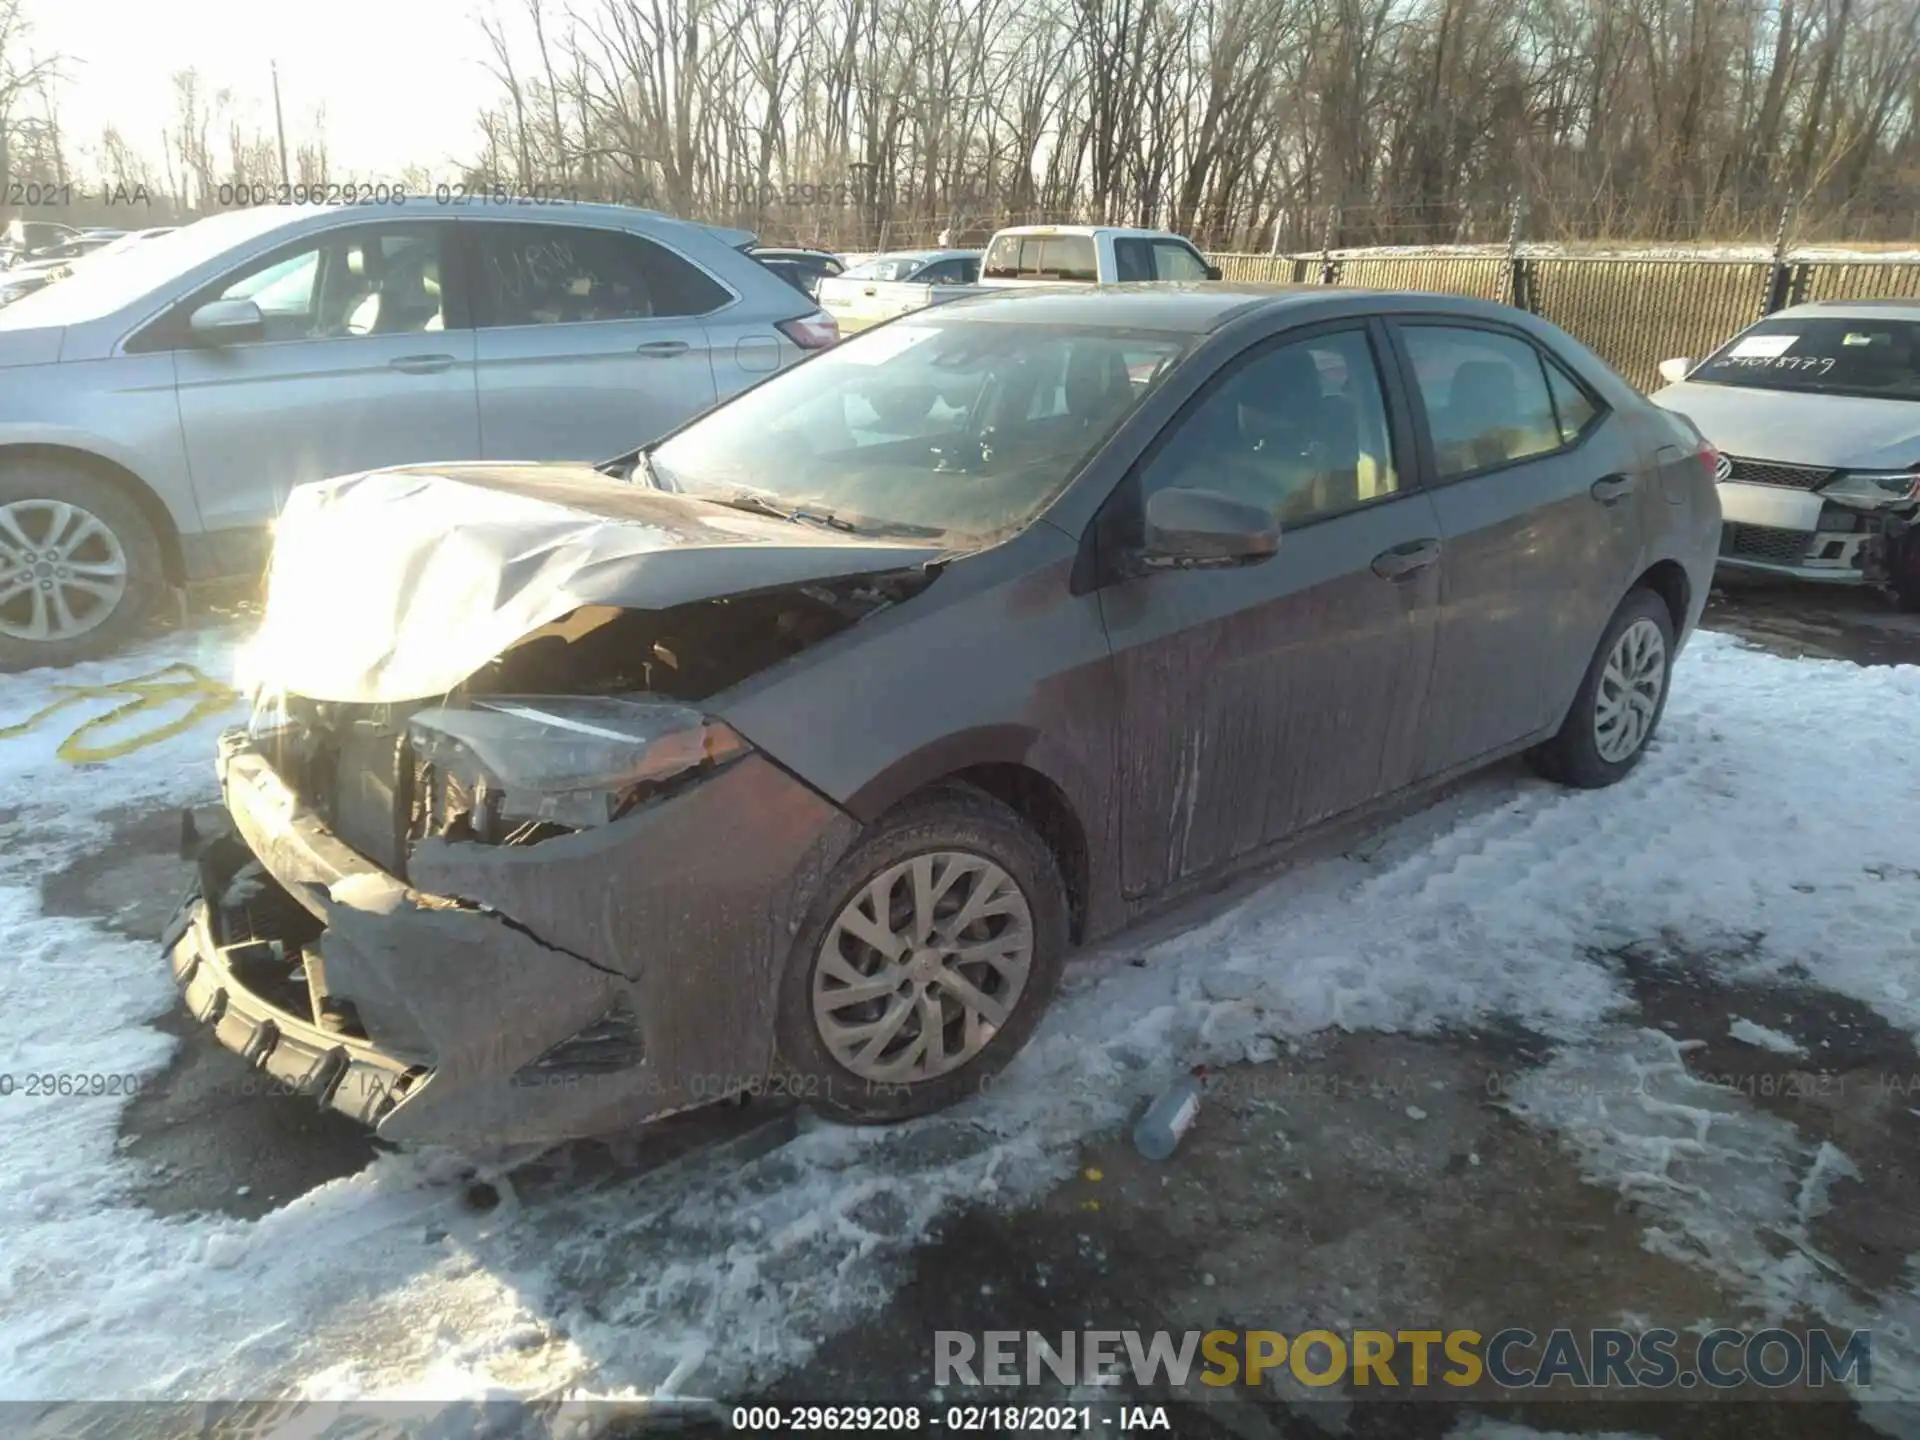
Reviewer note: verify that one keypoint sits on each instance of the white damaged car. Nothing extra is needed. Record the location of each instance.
(1816, 413)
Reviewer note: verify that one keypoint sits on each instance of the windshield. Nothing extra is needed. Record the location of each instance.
(956, 430)
(114, 278)
(885, 267)
(1818, 354)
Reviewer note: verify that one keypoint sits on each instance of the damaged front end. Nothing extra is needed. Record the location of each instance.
(552, 901)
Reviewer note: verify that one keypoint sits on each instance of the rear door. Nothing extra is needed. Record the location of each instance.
(363, 363)
(1258, 700)
(1536, 484)
(588, 340)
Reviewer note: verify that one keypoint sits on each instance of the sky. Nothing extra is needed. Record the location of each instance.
(401, 80)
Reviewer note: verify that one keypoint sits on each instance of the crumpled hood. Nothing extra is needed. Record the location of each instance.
(398, 584)
(1842, 431)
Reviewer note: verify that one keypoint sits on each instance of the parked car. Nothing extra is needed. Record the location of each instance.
(789, 754)
(1025, 255)
(23, 236)
(19, 281)
(1816, 410)
(803, 269)
(73, 249)
(37, 273)
(158, 406)
(892, 284)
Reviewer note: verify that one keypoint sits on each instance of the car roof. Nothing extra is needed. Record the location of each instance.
(482, 207)
(1863, 309)
(920, 255)
(1192, 308)
(1086, 230)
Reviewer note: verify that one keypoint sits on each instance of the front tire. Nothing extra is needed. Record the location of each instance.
(80, 567)
(1620, 700)
(934, 948)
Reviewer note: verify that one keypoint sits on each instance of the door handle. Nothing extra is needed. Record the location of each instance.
(421, 364)
(661, 349)
(1612, 489)
(867, 291)
(1404, 560)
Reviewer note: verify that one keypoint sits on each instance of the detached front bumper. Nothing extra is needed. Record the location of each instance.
(522, 993)
(1778, 530)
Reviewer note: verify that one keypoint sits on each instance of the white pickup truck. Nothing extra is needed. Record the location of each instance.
(1023, 255)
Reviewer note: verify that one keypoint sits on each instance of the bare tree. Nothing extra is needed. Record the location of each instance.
(1244, 122)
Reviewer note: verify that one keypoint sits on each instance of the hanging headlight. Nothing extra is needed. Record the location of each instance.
(509, 762)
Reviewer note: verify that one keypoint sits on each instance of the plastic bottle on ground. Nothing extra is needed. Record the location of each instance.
(1157, 1133)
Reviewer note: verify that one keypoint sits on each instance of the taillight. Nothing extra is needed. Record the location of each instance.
(812, 332)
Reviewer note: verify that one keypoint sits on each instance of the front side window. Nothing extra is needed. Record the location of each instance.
(947, 272)
(1485, 396)
(366, 280)
(1299, 430)
(1175, 261)
(566, 274)
(944, 428)
(1819, 355)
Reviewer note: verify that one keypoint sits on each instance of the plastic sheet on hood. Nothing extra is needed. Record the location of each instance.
(399, 584)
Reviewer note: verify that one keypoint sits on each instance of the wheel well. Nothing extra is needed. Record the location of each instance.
(1667, 580)
(122, 479)
(1044, 806)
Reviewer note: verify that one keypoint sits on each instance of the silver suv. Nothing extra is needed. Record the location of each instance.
(156, 408)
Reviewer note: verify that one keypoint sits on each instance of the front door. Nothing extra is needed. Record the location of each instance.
(589, 339)
(357, 368)
(1257, 700)
(1537, 487)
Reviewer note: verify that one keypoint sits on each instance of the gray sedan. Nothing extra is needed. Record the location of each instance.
(157, 406)
(792, 753)
(1816, 411)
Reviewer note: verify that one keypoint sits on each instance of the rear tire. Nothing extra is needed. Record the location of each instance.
(80, 566)
(841, 989)
(1620, 701)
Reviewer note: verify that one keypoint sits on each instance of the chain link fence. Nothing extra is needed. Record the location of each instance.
(1634, 311)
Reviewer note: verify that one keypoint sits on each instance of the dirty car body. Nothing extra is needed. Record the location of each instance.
(556, 779)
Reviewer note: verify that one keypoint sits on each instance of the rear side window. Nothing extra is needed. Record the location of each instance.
(1571, 403)
(1485, 396)
(565, 274)
(1132, 260)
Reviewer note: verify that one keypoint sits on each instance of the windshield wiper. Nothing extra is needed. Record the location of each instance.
(760, 505)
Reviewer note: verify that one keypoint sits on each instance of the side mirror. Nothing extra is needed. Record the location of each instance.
(1213, 272)
(1187, 528)
(227, 322)
(1674, 371)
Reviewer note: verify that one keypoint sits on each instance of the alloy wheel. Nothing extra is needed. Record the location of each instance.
(1628, 696)
(62, 570)
(923, 967)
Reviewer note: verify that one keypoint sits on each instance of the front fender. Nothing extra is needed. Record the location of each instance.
(144, 442)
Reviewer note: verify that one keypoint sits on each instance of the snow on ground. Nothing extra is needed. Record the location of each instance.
(1750, 1032)
(719, 1271)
